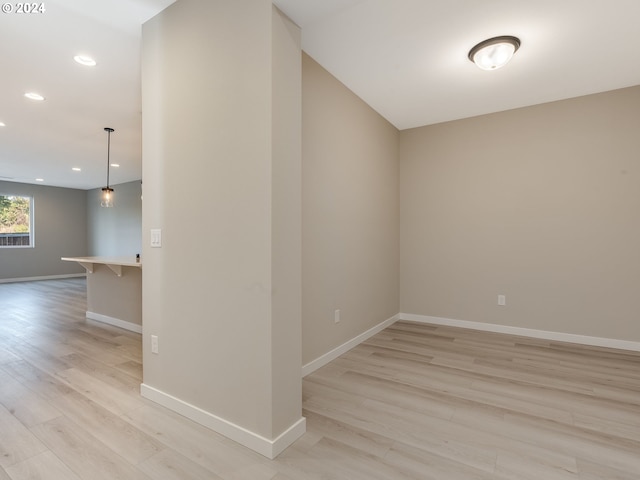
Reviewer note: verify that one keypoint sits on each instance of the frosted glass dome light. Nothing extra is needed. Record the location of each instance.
(495, 52)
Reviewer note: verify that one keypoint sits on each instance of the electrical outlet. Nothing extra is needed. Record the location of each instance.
(154, 344)
(336, 316)
(502, 300)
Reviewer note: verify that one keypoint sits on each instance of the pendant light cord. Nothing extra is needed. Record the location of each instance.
(108, 130)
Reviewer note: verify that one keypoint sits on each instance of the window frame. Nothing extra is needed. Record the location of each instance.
(31, 221)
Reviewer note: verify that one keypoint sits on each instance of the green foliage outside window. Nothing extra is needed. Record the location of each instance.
(14, 214)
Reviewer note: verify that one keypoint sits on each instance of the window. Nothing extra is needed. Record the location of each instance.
(16, 221)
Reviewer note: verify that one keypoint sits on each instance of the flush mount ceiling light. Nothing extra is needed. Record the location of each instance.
(84, 60)
(495, 52)
(34, 96)
(107, 192)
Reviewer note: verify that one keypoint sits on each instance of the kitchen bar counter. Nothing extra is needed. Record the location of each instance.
(114, 290)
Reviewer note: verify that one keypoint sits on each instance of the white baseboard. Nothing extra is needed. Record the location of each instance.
(268, 448)
(116, 322)
(45, 277)
(321, 361)
(526, 332)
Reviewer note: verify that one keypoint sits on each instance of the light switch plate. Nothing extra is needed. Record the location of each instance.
(156, 238)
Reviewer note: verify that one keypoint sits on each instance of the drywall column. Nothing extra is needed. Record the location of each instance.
(221, 171)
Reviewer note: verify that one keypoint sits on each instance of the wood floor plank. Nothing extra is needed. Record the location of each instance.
(45, 466)
(614, 428)
(607, 450)
(363, 440)
(36, 380)
(170, 465)
(26, 405)
(119, 435)
(7, 357)
(111, 398)
(421, 465)
(194, 441)
(383, 420)
(590, 470)
(38, 358)
(131, 368)
(524, 467)
(347, 461)
(83, 453)
(109, 374)
(17, 443)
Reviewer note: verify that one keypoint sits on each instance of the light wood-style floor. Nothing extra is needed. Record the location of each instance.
(414, 402)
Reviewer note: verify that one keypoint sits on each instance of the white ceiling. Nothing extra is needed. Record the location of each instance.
(47, 139)
(405, 58)
(408, 58)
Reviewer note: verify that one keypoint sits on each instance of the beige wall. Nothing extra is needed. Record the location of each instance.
(541, 204)
(60, 230)
(221, 148)
(350, 214)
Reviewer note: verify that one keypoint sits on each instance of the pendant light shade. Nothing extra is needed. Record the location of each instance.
(495, 52)
(107, 192)
(107, 197)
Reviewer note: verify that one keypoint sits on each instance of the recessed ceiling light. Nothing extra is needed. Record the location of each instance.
(34, 96)
(495, 52)
(39, 179)
(2, 124)
(115, 165)
(84, 60)
(76, 169)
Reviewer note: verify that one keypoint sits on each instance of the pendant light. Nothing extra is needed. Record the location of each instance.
(495, 52)
(107, 192)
